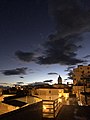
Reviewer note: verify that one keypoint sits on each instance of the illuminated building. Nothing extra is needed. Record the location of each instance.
(80, 73)
(81, 80)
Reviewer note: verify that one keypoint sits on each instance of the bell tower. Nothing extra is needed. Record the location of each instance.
(59, 80)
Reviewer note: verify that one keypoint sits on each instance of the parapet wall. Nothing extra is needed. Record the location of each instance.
(30, 112)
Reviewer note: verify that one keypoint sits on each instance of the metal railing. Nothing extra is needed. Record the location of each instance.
(51, 107)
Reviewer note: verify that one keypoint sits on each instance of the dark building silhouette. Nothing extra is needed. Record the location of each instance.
(59, 80)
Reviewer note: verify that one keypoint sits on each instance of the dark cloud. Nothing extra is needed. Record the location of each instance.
(52, 73)
(17, 71)
(24, 56)
(48, 81)
(72, 18)
(21, 77)
(69, 68)
(87, 56)
(60, 51)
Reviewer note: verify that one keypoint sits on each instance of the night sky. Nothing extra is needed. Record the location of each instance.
(41, 39)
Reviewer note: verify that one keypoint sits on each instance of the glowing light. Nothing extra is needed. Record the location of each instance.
(59, 100)
(44, 107)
